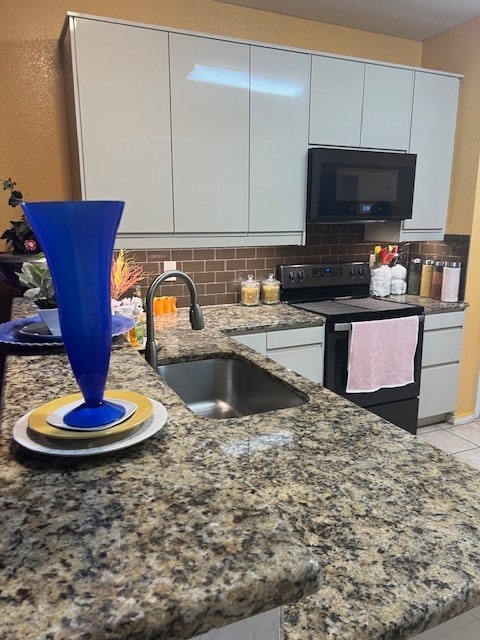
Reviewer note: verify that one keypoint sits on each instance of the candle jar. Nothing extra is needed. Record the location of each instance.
(270, 290)
(250, 292)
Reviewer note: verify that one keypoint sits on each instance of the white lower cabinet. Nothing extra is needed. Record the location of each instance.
(301, 350)
(442, 343)
(263, 626)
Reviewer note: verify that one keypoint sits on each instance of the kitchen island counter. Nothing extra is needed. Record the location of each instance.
(212, 521)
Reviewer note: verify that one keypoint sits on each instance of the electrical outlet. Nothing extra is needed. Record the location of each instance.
(169, 265)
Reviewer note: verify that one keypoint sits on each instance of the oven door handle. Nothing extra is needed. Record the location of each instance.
(342, 326)
(346, 326)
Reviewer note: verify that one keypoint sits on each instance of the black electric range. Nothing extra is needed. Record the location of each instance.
(340, 292)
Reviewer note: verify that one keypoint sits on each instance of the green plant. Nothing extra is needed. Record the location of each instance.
(38, 280)
(20, 236)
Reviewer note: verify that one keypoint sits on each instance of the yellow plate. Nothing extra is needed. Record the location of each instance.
(37, 420)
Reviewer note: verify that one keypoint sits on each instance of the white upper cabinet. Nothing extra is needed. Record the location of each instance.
(357, 104)
(432, 139)
(387, 107)
(210, 134)
(123, 121)
(336, 101)
(279, 101)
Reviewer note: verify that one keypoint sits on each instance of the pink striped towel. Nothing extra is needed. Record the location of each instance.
(381, 354)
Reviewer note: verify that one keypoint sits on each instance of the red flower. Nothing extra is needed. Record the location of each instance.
(30, 245)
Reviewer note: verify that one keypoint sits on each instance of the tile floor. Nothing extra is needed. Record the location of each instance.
(463, 442)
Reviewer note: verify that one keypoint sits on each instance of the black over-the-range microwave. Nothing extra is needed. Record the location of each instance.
(349, 185)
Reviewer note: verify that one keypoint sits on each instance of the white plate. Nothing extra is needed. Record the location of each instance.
(56, 417)
(41, 444)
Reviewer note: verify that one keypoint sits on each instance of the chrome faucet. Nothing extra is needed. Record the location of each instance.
(196, 315)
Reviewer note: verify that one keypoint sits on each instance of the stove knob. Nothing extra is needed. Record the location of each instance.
(361, 271)
(301, 274)
(291, 274)
(352, 271)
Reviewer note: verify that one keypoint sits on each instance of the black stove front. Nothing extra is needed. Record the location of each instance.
(339, 291)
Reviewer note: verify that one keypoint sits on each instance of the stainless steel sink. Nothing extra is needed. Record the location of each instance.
(227, 387)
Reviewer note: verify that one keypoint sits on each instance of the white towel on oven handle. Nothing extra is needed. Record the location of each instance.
(381, 354)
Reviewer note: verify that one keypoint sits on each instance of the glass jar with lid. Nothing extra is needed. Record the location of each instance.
(250, 292)
(270, 290)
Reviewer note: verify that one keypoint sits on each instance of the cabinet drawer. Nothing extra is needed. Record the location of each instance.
(438, 390)
(306, 360)
(295, 337)
(441, 346)
(444, 320)
(255, 341)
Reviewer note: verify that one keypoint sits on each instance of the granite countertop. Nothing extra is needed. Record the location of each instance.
(212, 521)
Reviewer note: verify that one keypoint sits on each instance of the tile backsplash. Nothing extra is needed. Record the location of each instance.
(217, 272)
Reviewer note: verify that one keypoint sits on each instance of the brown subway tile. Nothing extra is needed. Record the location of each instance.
(265, 252)
(179, 255)
(225, 276)
(218, 287)
(138, 255)
(248, 252)
(152, 268)
(206, 300)
(192, 266)
(271, 263)
(202, 276)
(224, 254)
(214, 265)
(157, 255)
(236, 265)
(226, 298)
(203, 254)
(255, 263)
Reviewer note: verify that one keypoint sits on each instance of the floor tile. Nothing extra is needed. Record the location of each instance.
(446, 441)
(469, 431)
(433, 427)
(471, 457)
(452, 629)
(475, 612)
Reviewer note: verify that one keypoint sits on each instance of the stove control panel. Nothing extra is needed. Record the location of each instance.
(297, 276)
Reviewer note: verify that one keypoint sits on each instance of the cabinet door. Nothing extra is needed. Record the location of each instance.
(336, 101)
(438, 390)
(210, 134)
(279, 101)
(387, 107)
(122, 72)
(256, 341)
(433, 131)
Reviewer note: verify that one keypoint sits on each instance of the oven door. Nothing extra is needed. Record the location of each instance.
(398, 404)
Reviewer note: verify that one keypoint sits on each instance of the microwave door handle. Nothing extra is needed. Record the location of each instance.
(342, 326)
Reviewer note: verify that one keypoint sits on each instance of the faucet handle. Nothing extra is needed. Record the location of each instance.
(196, 317)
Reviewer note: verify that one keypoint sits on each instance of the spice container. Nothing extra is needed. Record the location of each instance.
(270, 290)
(437, 278)
(414, 274)
(250, 292)
(426, 278)
(451, 281)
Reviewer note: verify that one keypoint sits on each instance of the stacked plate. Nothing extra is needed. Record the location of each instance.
(44, 431)
(32, 332)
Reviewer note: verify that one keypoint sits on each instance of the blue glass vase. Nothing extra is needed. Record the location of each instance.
(78, 240)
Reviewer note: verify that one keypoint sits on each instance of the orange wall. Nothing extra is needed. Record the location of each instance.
(458, 49)
(33, 144)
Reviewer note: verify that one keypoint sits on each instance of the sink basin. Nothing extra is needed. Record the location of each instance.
(227, 387)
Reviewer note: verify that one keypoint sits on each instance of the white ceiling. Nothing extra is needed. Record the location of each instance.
(412, 19)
